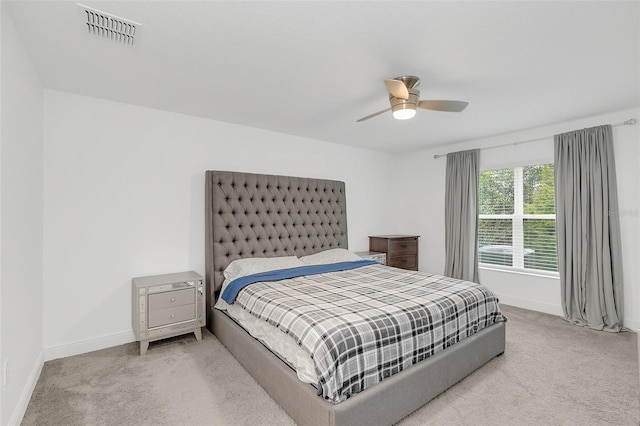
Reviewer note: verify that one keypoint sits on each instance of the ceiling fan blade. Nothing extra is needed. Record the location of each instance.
(397, 89)
(447, 106)
(373, 115)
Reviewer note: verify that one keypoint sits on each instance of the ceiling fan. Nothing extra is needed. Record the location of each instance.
(405, 98)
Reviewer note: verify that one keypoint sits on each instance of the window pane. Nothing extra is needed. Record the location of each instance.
(528, 243)
(496, 191)
(540, 249)
(495, 237)
(537, 189)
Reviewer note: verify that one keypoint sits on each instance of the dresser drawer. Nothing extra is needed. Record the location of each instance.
(404, 262)
(170, 315)
(171, 298)
(402, 247)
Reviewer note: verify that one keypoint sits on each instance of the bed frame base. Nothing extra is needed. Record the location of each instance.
(383, 404)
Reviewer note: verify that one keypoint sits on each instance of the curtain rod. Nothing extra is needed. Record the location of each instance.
(624, 123)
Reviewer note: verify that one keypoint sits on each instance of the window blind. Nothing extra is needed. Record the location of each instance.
(517, 218)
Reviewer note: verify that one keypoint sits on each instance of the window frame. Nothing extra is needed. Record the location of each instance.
(517, 225)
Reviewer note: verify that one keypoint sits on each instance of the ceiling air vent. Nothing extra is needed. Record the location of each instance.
(109, 27)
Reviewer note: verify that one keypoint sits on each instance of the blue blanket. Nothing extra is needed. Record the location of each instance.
(231, 292)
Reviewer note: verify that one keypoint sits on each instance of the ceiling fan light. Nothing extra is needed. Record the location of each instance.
(404, 113)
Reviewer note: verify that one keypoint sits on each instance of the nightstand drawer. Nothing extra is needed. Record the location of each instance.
(171, 298)
(170, 315)
(402, 247)
(404, 262)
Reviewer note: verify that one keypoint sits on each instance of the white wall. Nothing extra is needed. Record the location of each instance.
(20, 225)
(423, 199)
(124, 197)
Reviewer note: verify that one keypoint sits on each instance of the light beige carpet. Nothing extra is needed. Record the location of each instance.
(552, 373)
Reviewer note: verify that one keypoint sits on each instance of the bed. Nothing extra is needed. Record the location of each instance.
(251, 215)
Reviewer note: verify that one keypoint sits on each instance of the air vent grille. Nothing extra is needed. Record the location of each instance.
(109, 27)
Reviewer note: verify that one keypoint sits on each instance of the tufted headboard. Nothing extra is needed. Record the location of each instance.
(253, 215)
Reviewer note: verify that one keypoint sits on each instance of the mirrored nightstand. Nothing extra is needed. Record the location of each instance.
(373, 255)
(166, 306)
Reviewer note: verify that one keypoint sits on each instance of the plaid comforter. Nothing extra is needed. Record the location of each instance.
(363, 325)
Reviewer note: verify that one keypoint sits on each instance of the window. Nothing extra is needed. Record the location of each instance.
(517, 221)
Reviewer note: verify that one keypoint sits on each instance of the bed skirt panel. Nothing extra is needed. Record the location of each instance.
(383, 404)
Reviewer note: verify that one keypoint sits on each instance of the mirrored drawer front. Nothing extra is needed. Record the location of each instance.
(170, 315)
(405, 262)
(400, 247)
(185, 326)
(380, 258)
(171, 298)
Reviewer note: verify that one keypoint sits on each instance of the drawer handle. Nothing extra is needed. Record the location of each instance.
(173, 315)
(173, 299)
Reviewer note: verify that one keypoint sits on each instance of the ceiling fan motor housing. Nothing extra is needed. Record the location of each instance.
(411, 103)
(411, 81)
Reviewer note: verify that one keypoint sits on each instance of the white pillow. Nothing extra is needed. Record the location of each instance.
(254, 265)
(330, 256)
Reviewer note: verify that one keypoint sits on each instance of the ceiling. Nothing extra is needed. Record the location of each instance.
(312, 69)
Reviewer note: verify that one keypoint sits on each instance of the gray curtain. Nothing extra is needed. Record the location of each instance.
(461, 215)
(588, 228)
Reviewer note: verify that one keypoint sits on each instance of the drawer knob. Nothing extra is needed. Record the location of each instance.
(173, 299)
(173, 315)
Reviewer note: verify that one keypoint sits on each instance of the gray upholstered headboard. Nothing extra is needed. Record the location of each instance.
(252, 215)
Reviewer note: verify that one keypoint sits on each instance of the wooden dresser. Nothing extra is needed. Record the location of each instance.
(401, 250)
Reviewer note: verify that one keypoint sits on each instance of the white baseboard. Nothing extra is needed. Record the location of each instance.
(532, 305)
(633, 326)
(90, 345)
(27, 391)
